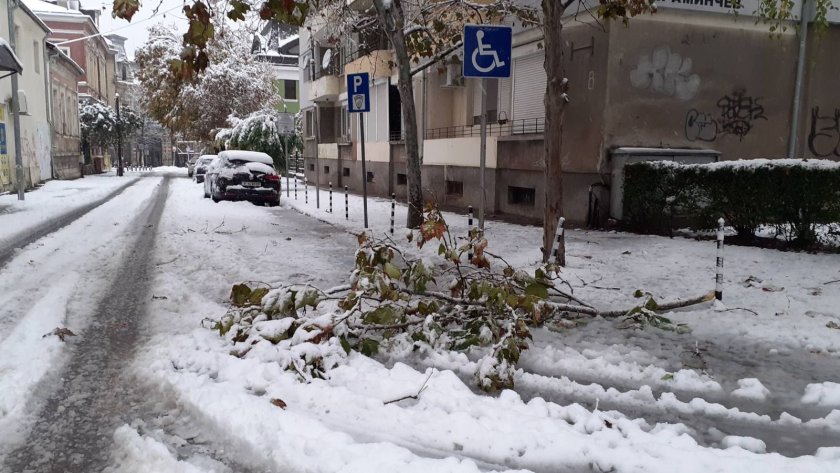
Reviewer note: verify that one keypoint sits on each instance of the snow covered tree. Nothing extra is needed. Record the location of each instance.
(98, 124)
(198, 105)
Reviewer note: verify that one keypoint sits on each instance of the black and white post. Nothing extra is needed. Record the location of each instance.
(305, 190)
(346, 205)
(296, 179)
(719, 262)
(331, 207)
(393, 206)
(469, 229)
(556, 248)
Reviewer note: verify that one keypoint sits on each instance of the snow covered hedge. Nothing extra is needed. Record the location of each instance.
(794, 195)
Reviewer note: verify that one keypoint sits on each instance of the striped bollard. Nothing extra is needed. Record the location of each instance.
(306, 190)
(331, 208)
(295, 187)
(558, 238)
(346, 205)
(393, 205)
(469, 230)
(719, 262)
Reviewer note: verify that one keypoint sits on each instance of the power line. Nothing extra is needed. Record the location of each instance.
(118, 29)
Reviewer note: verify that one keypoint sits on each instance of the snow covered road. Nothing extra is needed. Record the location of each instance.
(147, 386)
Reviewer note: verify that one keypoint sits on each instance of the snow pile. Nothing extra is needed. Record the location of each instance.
(747, 443)
(751, 388)
(752, 164)
(825, 394)
(140, 454)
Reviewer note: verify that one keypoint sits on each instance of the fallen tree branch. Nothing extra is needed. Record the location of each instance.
(414, 396)
(831, 282)
(741, 308)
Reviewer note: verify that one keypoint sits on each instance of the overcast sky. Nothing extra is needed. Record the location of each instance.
(137, 31)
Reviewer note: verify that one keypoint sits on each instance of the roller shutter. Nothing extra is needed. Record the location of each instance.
(528, 87)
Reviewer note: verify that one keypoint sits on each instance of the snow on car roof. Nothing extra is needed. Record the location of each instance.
(254, 156)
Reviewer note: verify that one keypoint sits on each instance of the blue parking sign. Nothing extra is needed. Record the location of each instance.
(358, 93)
(487, 50)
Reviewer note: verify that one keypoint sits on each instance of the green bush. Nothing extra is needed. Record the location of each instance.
(795, 196)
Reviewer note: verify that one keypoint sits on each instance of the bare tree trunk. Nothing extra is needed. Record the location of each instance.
(393, 21)
(555, 104)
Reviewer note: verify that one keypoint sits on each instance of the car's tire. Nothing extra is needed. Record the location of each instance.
(215, 199)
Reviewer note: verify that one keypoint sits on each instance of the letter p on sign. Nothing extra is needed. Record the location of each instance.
(358, 93)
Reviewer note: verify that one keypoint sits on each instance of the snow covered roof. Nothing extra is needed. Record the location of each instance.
(253, 156)
(60, 54)
(46, 7)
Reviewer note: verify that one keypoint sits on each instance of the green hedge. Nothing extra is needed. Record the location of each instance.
(794, 195)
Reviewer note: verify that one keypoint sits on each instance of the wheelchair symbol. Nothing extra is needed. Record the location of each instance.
(485, 50)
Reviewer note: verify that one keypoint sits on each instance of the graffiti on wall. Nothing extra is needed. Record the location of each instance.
(666, 72)
(824, 137)
(737, 114)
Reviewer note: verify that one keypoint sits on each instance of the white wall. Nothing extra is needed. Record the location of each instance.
(35, 129)
(459, 152)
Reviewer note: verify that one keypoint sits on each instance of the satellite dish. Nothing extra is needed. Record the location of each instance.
(325, 61)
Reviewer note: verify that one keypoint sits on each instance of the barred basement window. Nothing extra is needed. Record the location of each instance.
(346, 172)
(311, 167)
(455, 188)
(370, 176)
(522, 196)
(326, 169)
(402, 179)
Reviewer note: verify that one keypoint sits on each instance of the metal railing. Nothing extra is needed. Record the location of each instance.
(514, 127)
(396, 136)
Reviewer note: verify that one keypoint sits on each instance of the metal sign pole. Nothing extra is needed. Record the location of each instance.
(483, 152)
(364, 168)
(317, 160)
(21, 187)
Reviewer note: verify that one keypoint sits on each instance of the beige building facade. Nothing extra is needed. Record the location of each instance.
(693, 81)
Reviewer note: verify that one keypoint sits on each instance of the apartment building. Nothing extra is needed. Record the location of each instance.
(696, 81)
(75, 31)
(66, 132)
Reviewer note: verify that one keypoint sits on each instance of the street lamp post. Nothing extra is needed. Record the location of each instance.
(119, 139)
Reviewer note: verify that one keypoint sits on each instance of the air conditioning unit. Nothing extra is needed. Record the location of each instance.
(454, 74)
(23, 104)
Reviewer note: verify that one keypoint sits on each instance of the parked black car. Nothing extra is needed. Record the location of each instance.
(244, 175)
(201, 166)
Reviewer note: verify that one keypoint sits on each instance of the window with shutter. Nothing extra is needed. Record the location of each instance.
(529, 87)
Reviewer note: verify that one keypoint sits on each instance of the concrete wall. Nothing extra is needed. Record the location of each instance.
(732, 91)
(819, 131)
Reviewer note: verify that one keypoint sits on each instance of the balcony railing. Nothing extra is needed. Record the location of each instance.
(525, 126)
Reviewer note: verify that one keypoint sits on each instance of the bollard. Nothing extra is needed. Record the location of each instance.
(558, 238)
(346, 205)
(287, 184)
(295, 187)
(719, 262)
(306, 190)
(330, 211)
(393, 205)
(469, 230)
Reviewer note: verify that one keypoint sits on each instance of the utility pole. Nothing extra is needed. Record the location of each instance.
(21, 187)
(119, 139)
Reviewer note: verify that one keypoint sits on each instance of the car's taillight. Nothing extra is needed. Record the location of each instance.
(271, 177)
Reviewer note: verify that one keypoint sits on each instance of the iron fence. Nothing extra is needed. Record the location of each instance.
(503, 128)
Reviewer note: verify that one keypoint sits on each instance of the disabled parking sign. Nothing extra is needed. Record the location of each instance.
(487, 50)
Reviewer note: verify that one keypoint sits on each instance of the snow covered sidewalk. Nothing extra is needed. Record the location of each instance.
(52, 201)
(756, 375)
